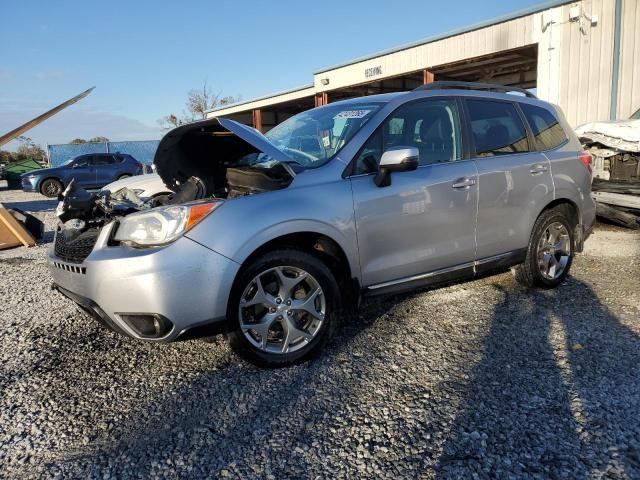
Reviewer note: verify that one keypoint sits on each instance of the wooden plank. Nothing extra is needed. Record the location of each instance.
(10, 227)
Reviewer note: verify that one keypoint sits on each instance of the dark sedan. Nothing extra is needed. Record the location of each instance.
(94, 170)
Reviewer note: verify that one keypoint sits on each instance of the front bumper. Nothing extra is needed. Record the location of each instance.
(29, 184)
(184, 282)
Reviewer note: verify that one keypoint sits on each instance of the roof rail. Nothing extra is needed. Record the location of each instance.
(489, 87)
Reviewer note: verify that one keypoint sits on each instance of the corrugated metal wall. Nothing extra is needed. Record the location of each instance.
(575, 57)
(494, 38)
(629, 86)
(583, 87)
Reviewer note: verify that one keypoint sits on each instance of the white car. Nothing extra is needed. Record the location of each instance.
(145, 186)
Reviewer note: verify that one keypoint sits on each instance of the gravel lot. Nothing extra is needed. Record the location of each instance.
(477, 380)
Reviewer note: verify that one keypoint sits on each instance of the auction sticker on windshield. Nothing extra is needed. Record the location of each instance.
(353, 114)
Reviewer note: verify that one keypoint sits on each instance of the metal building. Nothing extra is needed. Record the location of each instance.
(582, 55)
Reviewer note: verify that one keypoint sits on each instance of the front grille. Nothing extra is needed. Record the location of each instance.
(76, 250)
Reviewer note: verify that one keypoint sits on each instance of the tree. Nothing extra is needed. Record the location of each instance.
(29, 150)
(91, 140)
(197, 104)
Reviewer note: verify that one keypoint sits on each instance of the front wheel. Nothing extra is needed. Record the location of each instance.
(550, 251)
(283, 308)
(51, 187)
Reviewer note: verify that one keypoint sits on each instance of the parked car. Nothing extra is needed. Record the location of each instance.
(269, 238)
(89, 171)
(145, 186)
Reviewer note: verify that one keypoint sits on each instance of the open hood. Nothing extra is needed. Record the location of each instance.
(206, 148)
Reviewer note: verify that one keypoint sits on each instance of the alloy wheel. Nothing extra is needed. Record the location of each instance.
(282, 309)
(51, 189)
(554, 250)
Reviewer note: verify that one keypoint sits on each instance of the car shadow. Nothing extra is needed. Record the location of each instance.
(555, 394)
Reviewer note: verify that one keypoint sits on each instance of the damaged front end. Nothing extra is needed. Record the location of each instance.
(615, 148)
(203, 164)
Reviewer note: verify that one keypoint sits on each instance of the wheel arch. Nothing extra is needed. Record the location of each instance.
(48, 177)
(318, 244)
(573, 209)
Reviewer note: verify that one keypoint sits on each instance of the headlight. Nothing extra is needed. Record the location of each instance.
(162, 225)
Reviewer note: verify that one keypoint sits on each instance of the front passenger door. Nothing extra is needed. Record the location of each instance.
(425, 220)
(82, 171)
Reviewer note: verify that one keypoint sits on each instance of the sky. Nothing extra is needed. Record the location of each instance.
(144, 56)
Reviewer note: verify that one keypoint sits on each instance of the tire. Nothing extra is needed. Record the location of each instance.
(317, 291)
(554, 226)
(51, 187)
(124, 175)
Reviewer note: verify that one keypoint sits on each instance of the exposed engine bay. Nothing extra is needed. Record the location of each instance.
(212, 159)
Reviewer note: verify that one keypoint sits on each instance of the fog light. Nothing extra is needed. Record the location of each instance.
(147, 325)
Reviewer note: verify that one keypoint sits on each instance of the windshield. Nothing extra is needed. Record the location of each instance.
(312, 138)
(636, 116)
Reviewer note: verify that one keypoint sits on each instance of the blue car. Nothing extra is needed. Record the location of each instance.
(94, 170)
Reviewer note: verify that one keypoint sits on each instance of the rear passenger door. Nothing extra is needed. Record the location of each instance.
(514, 180)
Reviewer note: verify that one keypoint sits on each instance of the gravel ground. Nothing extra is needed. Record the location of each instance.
(478, 380)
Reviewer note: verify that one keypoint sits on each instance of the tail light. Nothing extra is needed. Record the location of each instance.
(585, 158)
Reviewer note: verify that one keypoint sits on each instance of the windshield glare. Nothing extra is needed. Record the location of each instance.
(312, 138)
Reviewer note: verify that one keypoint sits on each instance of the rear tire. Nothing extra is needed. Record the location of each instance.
(123, 176)
(51, 187)
(550, 251)
(293, 300)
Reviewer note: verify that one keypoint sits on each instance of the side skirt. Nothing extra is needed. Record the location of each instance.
(465, 271)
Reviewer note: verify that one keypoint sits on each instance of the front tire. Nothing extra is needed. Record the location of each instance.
(550, 251)
(51, 187)
(283, 308)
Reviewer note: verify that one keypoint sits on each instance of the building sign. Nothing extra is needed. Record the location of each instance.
(373, 71)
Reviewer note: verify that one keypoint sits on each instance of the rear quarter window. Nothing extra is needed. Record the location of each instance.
(546, 128)
(497, 128)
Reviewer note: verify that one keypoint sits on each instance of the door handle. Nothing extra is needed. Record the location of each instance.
(538, 169)
(464, 182)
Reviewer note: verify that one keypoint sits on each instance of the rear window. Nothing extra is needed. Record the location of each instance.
(497, 128)
(546, 129)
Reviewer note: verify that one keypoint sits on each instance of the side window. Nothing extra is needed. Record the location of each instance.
(497, 128)
(432, 126)
(116, 159)
(100, 160)
(545, 127)
(82, 162)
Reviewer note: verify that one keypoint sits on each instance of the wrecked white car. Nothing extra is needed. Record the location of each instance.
(615, 148)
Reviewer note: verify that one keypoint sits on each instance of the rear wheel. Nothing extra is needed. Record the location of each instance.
(283, 308)
(124, 175)
(51, 187)
(550, 251)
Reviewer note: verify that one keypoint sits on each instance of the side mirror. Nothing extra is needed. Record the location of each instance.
(396, 159)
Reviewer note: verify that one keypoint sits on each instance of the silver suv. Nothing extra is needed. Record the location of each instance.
(269, 238)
